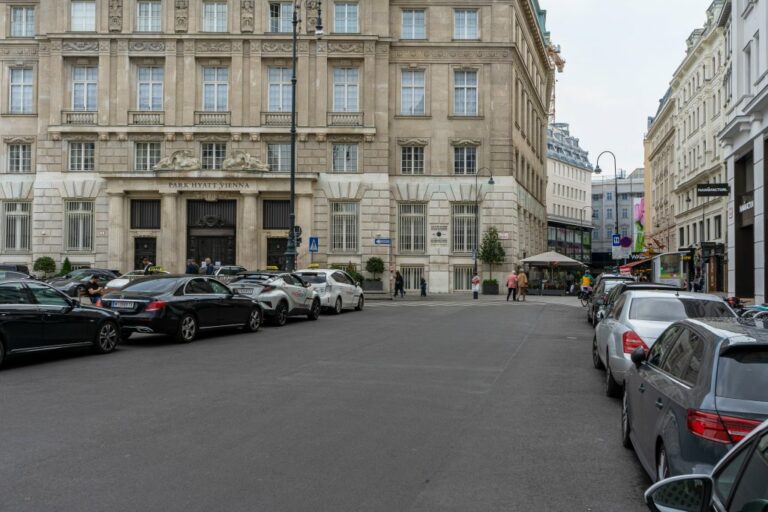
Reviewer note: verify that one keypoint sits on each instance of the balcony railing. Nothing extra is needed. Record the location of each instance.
(146, 118)
(78, 117)
(345, 119)
(212, 118)
(276, 118)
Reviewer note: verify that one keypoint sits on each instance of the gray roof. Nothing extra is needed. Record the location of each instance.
(562, 146)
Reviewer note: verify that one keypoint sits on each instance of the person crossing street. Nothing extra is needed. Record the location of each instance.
(522, 286)
(512, 286)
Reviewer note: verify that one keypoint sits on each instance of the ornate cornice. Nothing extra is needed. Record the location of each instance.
(410, 54)
(412, 142)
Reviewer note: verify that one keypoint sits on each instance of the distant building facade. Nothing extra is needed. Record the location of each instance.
(660, 176)
(613, 203)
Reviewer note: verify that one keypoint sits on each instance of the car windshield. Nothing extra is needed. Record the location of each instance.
(313, 278)
(152, 286)
(743, 374)
(672, 309)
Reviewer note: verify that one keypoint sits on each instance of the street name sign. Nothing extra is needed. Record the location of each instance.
(383, 241)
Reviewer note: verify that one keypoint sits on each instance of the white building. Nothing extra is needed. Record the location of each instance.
(613, 202)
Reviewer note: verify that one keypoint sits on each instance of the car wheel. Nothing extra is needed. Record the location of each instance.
(612, 388)
(662, 464)
(187, 329)
(337, 306)
(314, 311)
(281, 314)
(596, 362)
(360, 303)
(107, 337)
(254, 320)
(626, 442)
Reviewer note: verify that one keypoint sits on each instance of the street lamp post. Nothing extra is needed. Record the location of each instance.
(582, 227)
(477, 211)
(616, 185)
(290, 249)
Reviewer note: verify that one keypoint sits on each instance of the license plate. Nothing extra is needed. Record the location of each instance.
(123, 305)
(244, 291)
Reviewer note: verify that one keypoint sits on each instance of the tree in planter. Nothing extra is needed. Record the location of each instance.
(375, 266)
(66, 267)
(491, 251)
(44, 264)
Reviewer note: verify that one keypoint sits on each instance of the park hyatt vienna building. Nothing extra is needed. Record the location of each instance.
(160, 128)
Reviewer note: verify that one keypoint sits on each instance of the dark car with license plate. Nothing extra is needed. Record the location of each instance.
(35, 317)
(182, 307)
(700, 389)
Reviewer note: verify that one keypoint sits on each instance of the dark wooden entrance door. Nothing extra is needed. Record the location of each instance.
(144, 248)
(211, 228)
(276, 252)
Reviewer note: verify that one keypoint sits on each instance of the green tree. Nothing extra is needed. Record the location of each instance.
(66, 267)
(491, 251)
(375, 266)
(44, 264)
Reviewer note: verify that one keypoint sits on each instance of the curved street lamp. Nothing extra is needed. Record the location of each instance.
(491, 182)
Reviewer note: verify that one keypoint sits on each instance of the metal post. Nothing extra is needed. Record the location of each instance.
(290, 250)
(477, 217)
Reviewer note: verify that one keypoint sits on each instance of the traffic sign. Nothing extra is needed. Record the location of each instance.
(383, 241)
(314, 244)
(616, 240)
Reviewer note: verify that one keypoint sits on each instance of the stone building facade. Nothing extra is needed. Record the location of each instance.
(160, 128)
(660, 173)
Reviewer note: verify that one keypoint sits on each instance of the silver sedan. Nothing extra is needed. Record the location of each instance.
(636, 319)
(280, 294)
(336, 288)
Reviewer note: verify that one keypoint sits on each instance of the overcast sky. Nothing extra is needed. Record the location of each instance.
(620, 56)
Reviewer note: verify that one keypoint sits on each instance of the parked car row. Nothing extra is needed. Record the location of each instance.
(693, 379)
(37, 316)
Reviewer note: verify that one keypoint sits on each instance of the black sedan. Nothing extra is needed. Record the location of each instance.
(75, 283)
(35, 317)
(181, 306)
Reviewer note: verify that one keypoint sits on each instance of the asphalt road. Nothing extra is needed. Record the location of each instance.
(412, 408)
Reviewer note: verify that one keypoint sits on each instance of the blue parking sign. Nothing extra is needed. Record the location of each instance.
(314, 244)
(617, 240)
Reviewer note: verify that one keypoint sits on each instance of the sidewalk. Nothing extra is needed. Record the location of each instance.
(467, 296)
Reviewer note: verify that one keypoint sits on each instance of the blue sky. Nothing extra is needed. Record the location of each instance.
(620, 58)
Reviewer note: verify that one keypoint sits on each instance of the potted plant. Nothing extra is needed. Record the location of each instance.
(374, 266)
(491, 253)
(44, 266)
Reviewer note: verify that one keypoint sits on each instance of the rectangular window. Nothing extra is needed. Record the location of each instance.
(464, 221)
(85, 84)
(82, 156)
(414, 24)
(748, 69)
(150, 88)
(625, 213)
(147, 155)
(413, 91)
(465, 24)
(17, 226)
(279, 157)
(465, 160)
(83, 16)
(609, 213)
(78, 225)
(145, 214)
(22, 21)
(215, 89)
(22, 91)
(345, 89)
(609, 196)
(609, 233)
(412, 277)
(281, 17)
(19, 158)
(413, 228)
(412, 160)
(213, 154)
(214, 16)
(465, 93)
(462, 278)
(279, 89)
(345, 17)
(148, 15)
(718, 226)
(345, 158)
(277, 214)
(344, 225)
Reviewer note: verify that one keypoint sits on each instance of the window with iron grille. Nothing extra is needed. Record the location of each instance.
(414, 24)
(281, 17)
(463, 219)
(412, 277)
(215, 89)
(413, 228)
(19, 158)
(148, 15)
(78, 225)
(465, 24)
(82, 156)
(345, 89)
(465, 160)
(16, 221)
(279, 157)
(83, 15)
(465, 93)
(345, 17)
(22, 91)
(279, 89)
(412, 159)
(150, 88)
(277, 214)
(147, 155)
(344, 227)
(214, 16)
(345, 158)
(462, 278)
(213, 154)
(85, 82)
(413, 92)
(22, 21)
(145, 214)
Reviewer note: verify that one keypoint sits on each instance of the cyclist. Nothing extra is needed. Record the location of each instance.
(586, 282)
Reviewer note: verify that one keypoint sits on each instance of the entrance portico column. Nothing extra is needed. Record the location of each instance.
(170, 256)
(247, 238)
(117, 255)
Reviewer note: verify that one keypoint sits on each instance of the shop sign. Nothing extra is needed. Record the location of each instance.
(746, 206)
(209, 185)
(713, 190)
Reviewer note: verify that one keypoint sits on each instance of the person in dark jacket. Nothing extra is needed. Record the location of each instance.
(399, 284)
(423, 285)
(192, 267)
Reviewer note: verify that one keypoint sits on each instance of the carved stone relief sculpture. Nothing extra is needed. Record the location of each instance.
(247, 15)
(182, 160)
(115, 15)
(181, 16)
(242, 161)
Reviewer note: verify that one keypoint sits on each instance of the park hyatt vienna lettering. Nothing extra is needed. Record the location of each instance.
(210, 185)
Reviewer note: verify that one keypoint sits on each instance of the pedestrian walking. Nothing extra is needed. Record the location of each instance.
(399, 284)
(209, 268)
(475, 286)
(192, 267)
(423, 285)
(522, 285)
(512, 286)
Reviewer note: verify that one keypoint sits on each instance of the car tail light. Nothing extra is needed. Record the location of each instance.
(632, 341)
(721, 429)
(267, 289)
(156, 305)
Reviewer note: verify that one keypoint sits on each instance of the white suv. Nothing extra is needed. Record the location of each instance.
(337, 290)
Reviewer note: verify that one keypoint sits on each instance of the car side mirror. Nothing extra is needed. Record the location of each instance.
(690, 493)
(357, 283)
(639, 356)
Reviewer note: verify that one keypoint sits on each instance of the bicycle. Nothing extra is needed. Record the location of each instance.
(584, 296)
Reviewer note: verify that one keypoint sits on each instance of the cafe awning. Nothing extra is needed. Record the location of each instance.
(554, 259)
(626, 269)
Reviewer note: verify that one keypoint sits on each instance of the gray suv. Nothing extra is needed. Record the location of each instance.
(280, 294)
